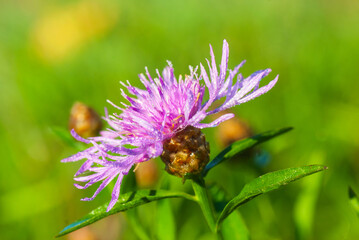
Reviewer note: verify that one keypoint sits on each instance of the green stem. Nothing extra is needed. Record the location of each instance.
(204, 201)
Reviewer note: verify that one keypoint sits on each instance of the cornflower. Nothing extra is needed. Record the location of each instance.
(164, 119)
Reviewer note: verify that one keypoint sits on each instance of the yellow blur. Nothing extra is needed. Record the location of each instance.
(64, 30)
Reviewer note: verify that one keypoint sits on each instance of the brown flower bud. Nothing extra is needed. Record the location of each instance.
(85, 233)
(186, 153)
(232, 130)
(85, 121)
(146, 174)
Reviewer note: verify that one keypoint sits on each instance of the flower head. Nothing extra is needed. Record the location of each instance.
(157, 113)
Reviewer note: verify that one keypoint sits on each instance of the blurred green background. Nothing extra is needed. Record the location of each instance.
(54, 53)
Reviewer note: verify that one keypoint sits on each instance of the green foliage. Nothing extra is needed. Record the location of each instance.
(204, 201)
(266, 183)
(125, 202)
(64, 135)
(354, 200)
(210, 200)
(166, 223)
(304, 211)
(133, 218)
(233, 227)
(312, 45)
(165, 220)
(242, 145)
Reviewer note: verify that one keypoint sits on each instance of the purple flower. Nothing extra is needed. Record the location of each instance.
(166, 106)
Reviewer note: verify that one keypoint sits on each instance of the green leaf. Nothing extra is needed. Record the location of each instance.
(266, 183)
(132, 216)
(238, 147)
(166, 226)
(305, 207)
(354, 200)
(166, 223)
(133, 219)
(233, 227)
(125, 202)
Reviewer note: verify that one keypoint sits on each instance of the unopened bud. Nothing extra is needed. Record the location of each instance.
(232, 130)
(85, 121)
(186, 153)
(146, 174)
(83, 234)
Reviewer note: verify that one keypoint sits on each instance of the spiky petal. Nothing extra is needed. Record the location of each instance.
(166, 106)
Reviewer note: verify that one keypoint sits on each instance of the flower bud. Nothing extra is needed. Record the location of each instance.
(85, 121)
(146, 174)
(187, 152)
(232, 130)
(85, 233)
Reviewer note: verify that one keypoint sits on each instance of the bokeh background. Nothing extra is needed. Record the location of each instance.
(54, 53)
